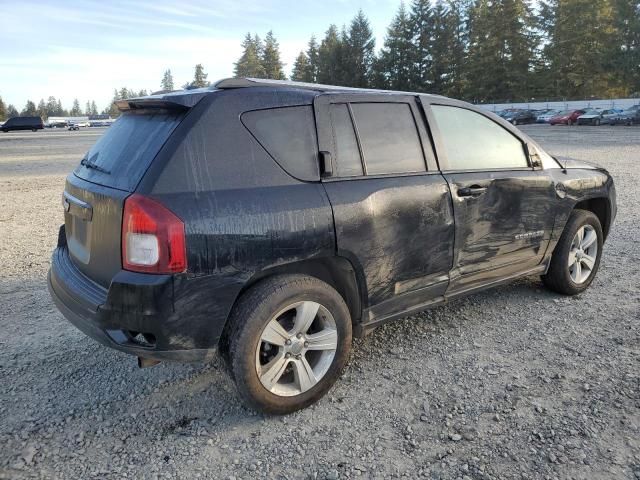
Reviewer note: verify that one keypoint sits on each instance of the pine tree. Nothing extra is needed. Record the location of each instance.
(75, 109)
(94, 108)
(3, 111)
(578, 53)
(457, 28)
(250, 64)
(42, 110)
(87, 108)
(29, 109)
(12, 111)
(300, 68)
(167, 81)
(330, 57)
(52, 107)
(447, 47)
(142, 93)
(624, 56)
(312, 55)
(271, 62)
(199, 77)
(422, 26)
(358, 54)
(112, 109)
(395, 62)
(61, 111)
(501, 47)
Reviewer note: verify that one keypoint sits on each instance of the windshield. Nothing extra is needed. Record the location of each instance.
(592, 112)
(122, 155)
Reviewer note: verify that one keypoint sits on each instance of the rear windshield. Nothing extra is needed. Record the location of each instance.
(122, 155)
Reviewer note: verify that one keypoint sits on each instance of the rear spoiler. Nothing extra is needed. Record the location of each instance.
(177, 100)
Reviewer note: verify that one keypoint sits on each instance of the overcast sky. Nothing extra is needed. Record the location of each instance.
(84, 49)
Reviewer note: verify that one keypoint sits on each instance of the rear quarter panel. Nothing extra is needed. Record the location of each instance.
(242, 212)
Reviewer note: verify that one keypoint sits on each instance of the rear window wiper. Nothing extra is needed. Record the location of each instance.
(87, 163)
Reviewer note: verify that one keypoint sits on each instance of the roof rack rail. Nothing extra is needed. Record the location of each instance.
(228, 83)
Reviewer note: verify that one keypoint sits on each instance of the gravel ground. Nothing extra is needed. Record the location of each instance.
(515, 382)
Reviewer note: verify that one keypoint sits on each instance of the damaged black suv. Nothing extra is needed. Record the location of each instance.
(272, 221)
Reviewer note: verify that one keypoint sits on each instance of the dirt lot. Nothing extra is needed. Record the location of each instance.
(515, 382)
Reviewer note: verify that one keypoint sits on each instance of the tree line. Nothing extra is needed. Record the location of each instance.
(477, 50)
(490, 51)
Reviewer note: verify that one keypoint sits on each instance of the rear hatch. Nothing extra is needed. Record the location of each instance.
(95, 192)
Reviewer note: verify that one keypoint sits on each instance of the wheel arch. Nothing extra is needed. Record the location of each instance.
(601, 208)
(335, 271)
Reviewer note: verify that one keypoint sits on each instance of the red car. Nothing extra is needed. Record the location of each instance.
(568, 117)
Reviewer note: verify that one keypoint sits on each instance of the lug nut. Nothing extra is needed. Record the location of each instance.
(306, 344)
(299, 335)
(288, 342)
(287, 355)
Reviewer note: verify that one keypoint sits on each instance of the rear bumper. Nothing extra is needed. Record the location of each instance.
(134, 303)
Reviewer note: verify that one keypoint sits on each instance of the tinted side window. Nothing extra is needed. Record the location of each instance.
(389, 138)
(289, 135)
(345, 145)
(474, 142)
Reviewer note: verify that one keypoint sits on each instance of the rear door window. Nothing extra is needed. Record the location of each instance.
(288, 134)
(389, 138)
(345, 144)
(122, 155)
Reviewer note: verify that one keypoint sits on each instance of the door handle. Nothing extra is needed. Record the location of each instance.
(472, 191)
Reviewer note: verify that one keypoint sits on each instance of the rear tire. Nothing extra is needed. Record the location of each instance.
(289, 340)
(576, 258)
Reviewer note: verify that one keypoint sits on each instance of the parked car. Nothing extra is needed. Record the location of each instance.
(58, 124)
(598, 117)
(520, 117)
(23, 123)
(74, 126)
(546, 116)
(271, 221)
(567, 117)
(630, 116)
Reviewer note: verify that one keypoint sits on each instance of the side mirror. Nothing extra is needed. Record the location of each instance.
(326, 165)
(534, 156)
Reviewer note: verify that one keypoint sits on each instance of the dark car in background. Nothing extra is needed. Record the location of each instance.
(630, 116)
(567, 117)
(272, 221)
(23, 123)
(520, 117)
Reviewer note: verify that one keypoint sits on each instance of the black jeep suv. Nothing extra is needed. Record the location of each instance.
(271, 221)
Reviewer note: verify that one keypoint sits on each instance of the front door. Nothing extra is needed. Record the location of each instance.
(502, 205)
(392, 207)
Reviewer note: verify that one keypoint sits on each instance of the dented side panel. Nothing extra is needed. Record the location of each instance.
(397, 232)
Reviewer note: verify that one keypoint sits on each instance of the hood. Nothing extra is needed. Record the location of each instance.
(589, 116)
(573, 163)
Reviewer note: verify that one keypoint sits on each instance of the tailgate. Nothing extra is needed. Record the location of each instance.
(93, 222)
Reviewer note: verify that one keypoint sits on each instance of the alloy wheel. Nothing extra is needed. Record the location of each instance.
(583, 254)
(296, 348)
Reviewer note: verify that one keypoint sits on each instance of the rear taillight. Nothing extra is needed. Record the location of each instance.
(153, 239)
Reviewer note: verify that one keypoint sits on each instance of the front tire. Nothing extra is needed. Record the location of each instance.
(289, 339)
(576, 258)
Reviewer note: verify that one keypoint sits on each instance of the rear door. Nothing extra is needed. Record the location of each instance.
(502, 204)
(94, 193)
(392, 208)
